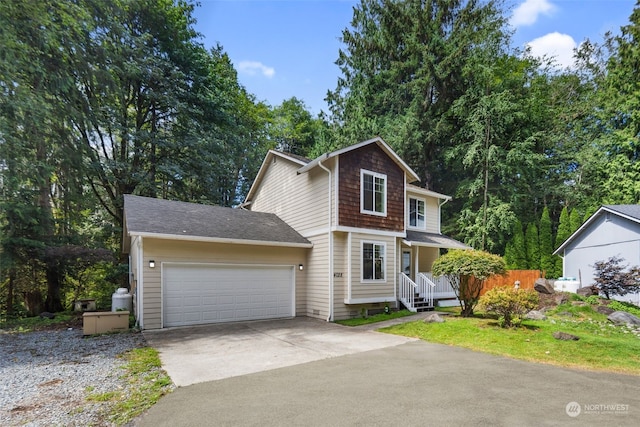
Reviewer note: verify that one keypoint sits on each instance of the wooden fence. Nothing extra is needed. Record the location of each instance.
(527, 279)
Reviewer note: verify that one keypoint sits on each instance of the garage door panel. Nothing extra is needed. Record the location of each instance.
(195, 294)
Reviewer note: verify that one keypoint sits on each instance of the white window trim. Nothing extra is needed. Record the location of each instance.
(384, 265)
(413, 227)
(384, 201)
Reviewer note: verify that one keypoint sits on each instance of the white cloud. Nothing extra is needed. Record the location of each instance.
(254, 67)
(528, 12)
(559, 46)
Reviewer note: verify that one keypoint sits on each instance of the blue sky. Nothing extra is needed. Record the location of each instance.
(286, 48)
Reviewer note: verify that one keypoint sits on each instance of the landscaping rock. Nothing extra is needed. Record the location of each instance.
(433, 318)
(587, 291)
(623, 318)
(578, 303)
(563, 336)
(542, 286)
(560, 298)
(603, 309)
(535, 315)
(47, 315)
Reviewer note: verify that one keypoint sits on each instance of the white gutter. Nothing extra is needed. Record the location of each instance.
(220, 240)
(330, 315)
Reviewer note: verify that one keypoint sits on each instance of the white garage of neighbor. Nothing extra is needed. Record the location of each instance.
(195, 294)
(193, 264)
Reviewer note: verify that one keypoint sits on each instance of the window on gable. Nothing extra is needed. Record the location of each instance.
(373, 261)
(373, 198)
(417, 213)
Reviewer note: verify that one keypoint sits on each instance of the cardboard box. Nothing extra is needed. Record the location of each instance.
(102, 322)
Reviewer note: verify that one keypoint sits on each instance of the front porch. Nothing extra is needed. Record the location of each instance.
(426, 292)
(418, 289)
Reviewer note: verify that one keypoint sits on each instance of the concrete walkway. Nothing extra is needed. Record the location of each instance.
(412, 384)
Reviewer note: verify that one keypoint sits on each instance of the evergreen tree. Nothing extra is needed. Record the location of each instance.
(575, 220)
(515, 255)
(564, 231)
(532, 246)
(547, 263)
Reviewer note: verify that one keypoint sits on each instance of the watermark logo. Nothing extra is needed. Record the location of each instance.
(573, 409)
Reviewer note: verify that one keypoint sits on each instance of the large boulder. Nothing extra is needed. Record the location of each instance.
(603, 309)
(535, 315)
(434, 318)
(623, 318)
(543, 287)
(587, 291)
(563, 336)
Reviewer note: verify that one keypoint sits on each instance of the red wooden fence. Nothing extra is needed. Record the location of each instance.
(527, 279)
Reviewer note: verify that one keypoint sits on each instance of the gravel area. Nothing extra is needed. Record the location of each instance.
(46, 376)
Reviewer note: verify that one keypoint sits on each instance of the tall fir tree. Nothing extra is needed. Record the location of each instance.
(575, 220)
(564, 231)
(532, 246)
(515, 254)
(547, 263)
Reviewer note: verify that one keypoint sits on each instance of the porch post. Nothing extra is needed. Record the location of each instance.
(416, 267)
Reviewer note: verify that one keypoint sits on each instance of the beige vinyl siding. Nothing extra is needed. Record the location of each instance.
(301, 200)
(161, 251)
(360, 289)
(432, 212)
(340, 282)
(426, 257)
(317, 278)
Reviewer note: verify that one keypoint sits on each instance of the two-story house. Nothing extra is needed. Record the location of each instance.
(323, 238)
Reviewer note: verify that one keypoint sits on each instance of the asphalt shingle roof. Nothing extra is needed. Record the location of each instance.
(632, 211)
(145, 215)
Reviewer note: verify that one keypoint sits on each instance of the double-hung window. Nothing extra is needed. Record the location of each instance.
(373, 261)
(417, 213)
(373, 193)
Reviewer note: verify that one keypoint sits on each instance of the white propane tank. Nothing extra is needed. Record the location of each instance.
(121, 300)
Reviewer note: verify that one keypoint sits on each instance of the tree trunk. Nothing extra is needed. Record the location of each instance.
(53, 302)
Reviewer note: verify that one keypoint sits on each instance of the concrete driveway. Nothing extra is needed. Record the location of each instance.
(213, 352)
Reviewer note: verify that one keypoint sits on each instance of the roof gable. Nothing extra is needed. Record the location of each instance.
(145, 216)
(629, 212)
(411, 175)
(294, 158)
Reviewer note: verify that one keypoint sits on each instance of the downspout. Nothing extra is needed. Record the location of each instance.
(140, 285)
(440, 214)
(330, 315)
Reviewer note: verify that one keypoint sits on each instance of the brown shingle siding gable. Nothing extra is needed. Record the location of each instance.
(374, 159)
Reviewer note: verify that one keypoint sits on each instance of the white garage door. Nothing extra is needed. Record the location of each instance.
(199, 294)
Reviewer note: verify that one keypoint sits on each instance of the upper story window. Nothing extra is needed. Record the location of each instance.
(373, 193)
(417, 213)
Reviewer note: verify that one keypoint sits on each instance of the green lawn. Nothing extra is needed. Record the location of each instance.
(357, 321)
(602, 346)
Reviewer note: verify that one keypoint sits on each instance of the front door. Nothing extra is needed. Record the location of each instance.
(406, 262)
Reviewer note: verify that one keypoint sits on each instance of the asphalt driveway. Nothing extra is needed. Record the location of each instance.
(412, 384)
(213, 352)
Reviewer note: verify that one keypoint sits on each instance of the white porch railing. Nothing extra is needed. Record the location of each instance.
(442, 289)
(407, 292)
(426, 288)
(416, 295)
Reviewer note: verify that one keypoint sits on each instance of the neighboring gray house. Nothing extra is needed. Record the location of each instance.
(614, 230)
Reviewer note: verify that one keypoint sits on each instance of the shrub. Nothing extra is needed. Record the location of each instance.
(611, 278)
(509, 304)
(593, 300)
(625, 306)
(466, 271)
